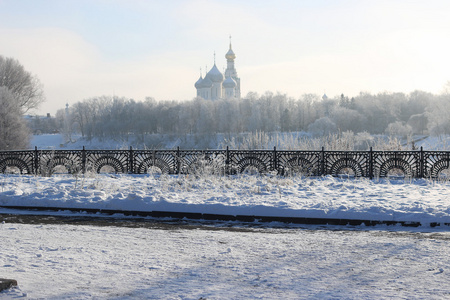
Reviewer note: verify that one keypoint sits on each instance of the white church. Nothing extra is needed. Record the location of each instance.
(215, 85)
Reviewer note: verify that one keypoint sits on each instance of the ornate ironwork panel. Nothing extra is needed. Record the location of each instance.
(116, 160)
(436, 164)
(350, 163)
(197, 161)
(163, 161)
(61, 161)
(397, 163)
(241, 161)
(18, 161)
(306, 163)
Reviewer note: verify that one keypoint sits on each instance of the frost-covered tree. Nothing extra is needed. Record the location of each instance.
(108, 116)
(438, 114)
(446, 88)
(416, 104)
(25, 88)
(418, 123)
(347, 119)
(14, 133)
(322, 127)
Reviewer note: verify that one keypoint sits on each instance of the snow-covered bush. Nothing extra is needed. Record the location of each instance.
(399, 129)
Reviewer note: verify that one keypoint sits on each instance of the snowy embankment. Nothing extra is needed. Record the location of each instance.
(421, 200)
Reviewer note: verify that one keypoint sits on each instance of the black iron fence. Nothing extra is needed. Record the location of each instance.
(371, 164)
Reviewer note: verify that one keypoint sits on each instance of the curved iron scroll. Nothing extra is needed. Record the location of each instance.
(24, 162)
(305, 163)
(11, 163)
(341, 163)
(408, 163)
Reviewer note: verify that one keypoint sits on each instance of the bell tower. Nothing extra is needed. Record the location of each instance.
(231, 71)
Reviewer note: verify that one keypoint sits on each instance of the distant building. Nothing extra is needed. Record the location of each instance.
(215, 85)
(42, 124)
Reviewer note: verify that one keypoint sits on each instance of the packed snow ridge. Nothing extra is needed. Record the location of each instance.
(408, 200)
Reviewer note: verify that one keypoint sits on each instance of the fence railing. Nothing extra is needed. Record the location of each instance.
(371, 164)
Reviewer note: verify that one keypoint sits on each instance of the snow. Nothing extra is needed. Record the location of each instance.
(435, 143)
(227, 260)
(409, 200)
(58, 142)
(94, 262)
(47, 141)
(418, 200)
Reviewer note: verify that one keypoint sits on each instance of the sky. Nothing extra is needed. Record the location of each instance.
(81, 49)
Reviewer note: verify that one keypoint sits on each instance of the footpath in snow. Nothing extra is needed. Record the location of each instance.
(405, 200)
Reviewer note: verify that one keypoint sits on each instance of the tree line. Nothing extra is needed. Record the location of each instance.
(391, 113)
(107, 117)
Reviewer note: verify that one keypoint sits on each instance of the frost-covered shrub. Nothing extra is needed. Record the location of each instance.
(399, 129)
(345, 141)
(207, 166)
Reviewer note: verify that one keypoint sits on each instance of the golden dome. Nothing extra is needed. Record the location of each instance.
(230, 54)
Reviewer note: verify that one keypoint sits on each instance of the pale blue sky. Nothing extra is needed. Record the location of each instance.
(136, 48)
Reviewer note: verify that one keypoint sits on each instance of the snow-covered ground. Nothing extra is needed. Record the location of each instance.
(92, 262)
(57, 141)
(217, 262)
(83, 262)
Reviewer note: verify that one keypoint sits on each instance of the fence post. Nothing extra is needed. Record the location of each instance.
(227, 162)
(275, 159)
(370, 164)
(83, 160)
(322, 167)
(131, 161)
(178, 161)
(447, 156)
(36, 161)
(422, 163)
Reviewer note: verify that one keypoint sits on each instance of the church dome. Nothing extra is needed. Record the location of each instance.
(229, 83)
(230, 54)
(206, 83)
(199, 82)
(214, 74)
